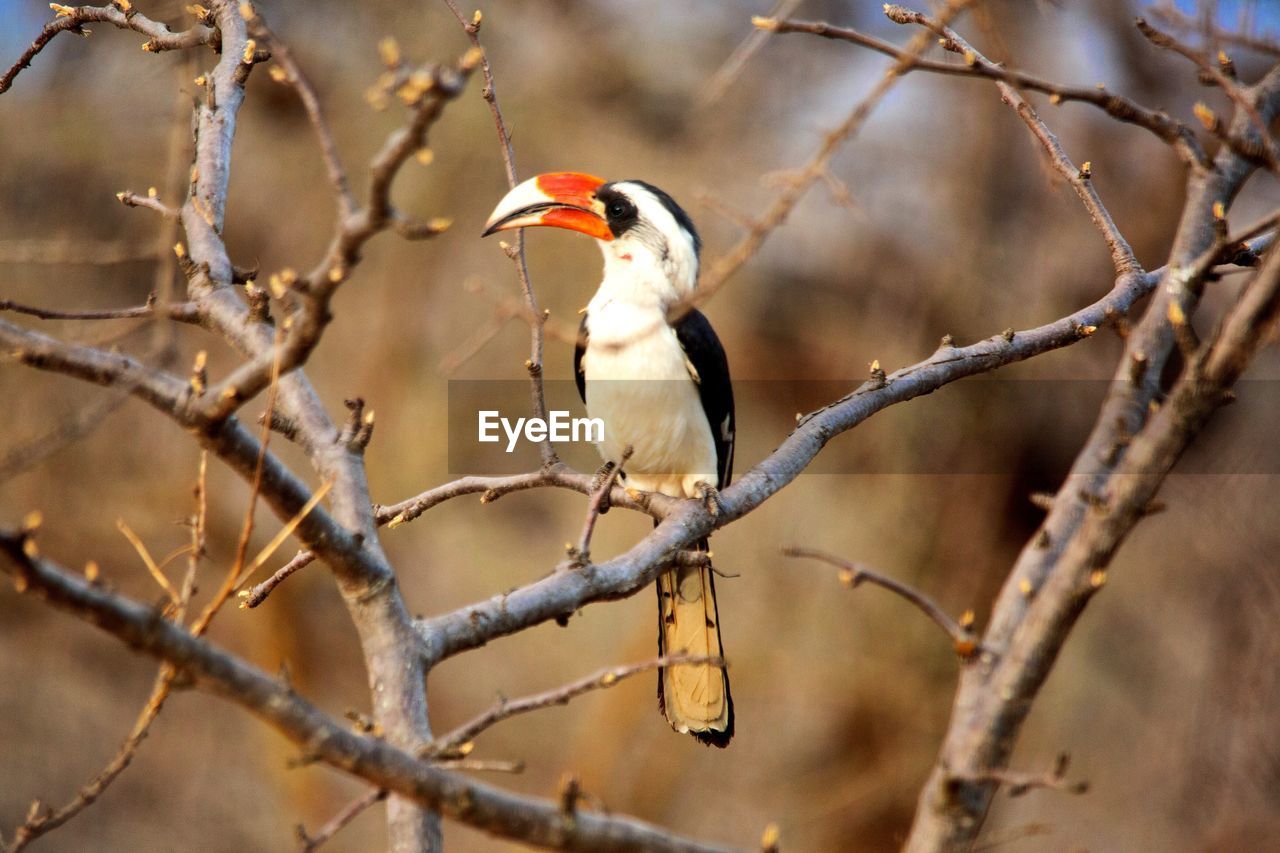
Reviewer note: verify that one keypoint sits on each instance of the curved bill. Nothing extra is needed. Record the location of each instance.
(558, 199)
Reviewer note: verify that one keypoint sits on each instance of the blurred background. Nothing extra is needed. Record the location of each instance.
(1166, 695)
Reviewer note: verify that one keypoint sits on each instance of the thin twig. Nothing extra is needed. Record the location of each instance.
(451, 742)
(348, 813)
(40, 823)
(812, 172)
(1159, 123)
(481, 765)
(535, 316)
(183, 312)
(581, 554)
(726, 74)
(131, 199)
(290, 72)
(231, 580)
(1238, 95)
(505, 309)
(852, 574)
(1173, 17)
(282, 534)
(145, 554)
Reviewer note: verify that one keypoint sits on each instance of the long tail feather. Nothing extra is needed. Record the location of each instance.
(694, 698)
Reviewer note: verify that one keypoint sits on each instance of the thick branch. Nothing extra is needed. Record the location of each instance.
(1111, 484)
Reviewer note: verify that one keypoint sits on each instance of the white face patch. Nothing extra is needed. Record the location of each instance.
(661, 251)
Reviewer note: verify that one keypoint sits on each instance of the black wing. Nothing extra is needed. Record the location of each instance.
(578, 351)
(703, 349)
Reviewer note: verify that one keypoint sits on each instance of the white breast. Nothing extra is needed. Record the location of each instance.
(638, 383)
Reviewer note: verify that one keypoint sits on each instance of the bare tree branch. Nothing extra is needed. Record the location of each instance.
(1226, 83)
(320, 737)
(490, 489)
(714, 277)
(349, 813)
(504, 709)
(183, 312)
(38, 824)
(1167, 129)
(1061, 567)
(1174, 18)
(564, 592)
(121, 14)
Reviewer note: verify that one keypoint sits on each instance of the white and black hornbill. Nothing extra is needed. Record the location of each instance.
(661, 387)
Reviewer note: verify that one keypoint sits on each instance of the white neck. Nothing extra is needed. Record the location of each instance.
(635, 274)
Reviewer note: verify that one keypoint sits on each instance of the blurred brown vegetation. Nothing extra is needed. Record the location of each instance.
(1165, 698)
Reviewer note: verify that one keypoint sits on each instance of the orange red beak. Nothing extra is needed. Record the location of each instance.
(558, 199)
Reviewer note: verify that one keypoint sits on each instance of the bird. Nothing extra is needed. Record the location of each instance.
(662, 387)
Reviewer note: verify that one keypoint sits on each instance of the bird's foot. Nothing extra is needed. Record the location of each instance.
(597, 483)
(710, 497)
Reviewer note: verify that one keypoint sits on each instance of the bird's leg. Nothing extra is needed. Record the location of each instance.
(597, 483)
(710, 497)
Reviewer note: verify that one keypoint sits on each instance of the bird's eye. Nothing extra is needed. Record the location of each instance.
(617, 209)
